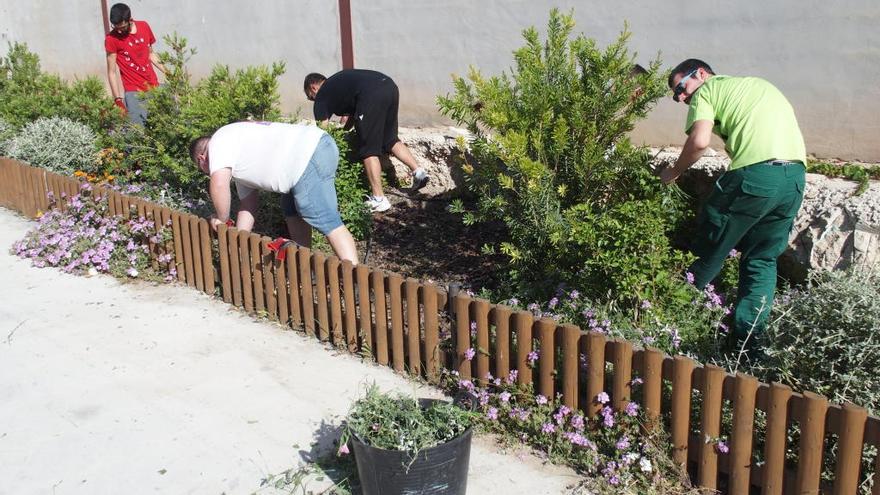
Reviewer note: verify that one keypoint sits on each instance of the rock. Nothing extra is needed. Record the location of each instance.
(436, 149)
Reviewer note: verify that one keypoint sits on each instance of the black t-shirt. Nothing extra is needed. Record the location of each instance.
(340, 92)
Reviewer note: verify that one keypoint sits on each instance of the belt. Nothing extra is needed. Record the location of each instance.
(782, 163)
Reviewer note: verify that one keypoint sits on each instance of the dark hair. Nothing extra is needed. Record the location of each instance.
(195, 145)
(119, 12)
(637, 70)
(313, 78)
(688, 66)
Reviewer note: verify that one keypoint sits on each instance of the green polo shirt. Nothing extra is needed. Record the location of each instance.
(753, 118)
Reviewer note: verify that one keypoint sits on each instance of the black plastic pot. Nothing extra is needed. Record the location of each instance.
(440, 470)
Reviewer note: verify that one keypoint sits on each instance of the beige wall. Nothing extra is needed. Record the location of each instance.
(825, 56)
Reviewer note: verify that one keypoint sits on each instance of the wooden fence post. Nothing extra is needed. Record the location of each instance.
(432, 341)
(395, 291)
(682, 389)
(570, 365)
(710, 427)
(348, 289)
(335, 301)
(774, 443)
(462, 335)
(812, 444)
(380, 338)
(849, 457)
(595, 371)
(621, 359)
(481, 317)
(501, 316)
(652, 384)
(364, 310)
(304, 262)
(321, 292)
(547, 357)
(523, 327)
(745, 388)
(413, 327)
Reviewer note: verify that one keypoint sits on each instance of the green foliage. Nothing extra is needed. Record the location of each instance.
(57, 144)
(824, 338)
(850, 171)
(398, 422)
(26, 94)
(6, 133)
(179, 111)
(553, 162)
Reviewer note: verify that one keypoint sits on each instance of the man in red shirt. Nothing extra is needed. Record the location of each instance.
(129, 47)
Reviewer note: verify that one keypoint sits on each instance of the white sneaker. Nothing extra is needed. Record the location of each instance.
(378, 204)
(419, 179)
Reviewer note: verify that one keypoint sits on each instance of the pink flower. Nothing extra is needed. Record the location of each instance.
(722, 447)
(632, 409)
(548, 428)
(469, 354)
(532, 357)
(504, 396)
(602, 398)
(343, 449)
(511, 377)
(540, 399)
(492, 413)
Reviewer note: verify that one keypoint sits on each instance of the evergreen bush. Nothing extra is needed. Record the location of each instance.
(553, 163)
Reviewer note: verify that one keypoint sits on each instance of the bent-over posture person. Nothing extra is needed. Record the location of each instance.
(298, 161)
(753, 205)
(369, 101)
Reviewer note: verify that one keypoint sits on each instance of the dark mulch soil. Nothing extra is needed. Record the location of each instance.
(421, 239)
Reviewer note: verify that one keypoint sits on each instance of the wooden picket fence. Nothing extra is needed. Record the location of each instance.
(398, 322)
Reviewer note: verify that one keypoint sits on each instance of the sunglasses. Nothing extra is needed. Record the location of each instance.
(679, 88)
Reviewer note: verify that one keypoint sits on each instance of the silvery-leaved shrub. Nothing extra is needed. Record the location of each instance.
(6, 133)
(825, 339)
(57, 144)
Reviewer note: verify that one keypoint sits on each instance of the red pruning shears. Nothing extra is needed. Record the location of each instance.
(279, 247)
(230, 223)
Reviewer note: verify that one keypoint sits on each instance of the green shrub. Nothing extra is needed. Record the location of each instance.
(351, 188)
(57, 144)
(26, 94)
(823, 338)
(179, 111)
(7, 132)
(553, 163)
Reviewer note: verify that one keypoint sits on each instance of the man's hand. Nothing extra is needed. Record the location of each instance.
(216, 223)
(669, 174)
(119, 102)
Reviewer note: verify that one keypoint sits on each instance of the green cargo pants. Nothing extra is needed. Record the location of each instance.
(751, 209)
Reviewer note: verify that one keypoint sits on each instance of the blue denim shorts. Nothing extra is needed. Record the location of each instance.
(313, 198)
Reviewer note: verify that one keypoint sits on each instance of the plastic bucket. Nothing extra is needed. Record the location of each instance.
(440, 470)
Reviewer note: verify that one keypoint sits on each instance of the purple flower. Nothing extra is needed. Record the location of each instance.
(632, 409)
(646, 304)
(574, 294)
(733, 253)
(469, 354)
(722, 447)
(343, 449)
(622, 443)
(690, 277)
(548, 428)
(637, 381)
(553, 302)
(492, 413)
(511, 377)
(602, 398)
(540, 399)
(577, 422)
(466, 384)
(532, 357)
(504, 396)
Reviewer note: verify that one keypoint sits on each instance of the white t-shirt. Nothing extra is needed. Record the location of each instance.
(263, 155)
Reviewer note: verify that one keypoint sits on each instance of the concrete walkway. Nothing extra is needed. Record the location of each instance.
(110, 388)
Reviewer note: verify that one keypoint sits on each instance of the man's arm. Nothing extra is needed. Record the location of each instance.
(154, 58)
(113, 76)
(220, 196)
(247, 211)
(694, 147)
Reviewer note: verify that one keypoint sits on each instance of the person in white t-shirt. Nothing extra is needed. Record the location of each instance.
(297, 161)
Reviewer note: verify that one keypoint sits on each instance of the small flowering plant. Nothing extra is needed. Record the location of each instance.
(84, 239)
(615, 452)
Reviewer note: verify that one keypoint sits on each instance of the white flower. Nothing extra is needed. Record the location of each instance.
(93, 271)
(645, 465)
(132, 272)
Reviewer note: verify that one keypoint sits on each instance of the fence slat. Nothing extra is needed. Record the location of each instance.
(186, 239)
(652, 384)
(380, 338)
(177, 235)
(774, 446)
(195, 239)
(501, 317)
(281, 293)
(395, 292)
(232, 243)
(205, 235)
(268, 264)
(682, 380)
(362, 274)
(814, 409)
(849, 457)
(710, 425)
(595, 371)
(621, 358)
(335, 302)
(308, 299)
(321, 292)
(223, 251)
(570, 365)
(348, 291)
(522, 324)
(481, 347)
(462, 335)
(547, 358)
(745, 388)
(413, 332)
(293, 293)
(244, 261)
(432, 333)
(256, 262)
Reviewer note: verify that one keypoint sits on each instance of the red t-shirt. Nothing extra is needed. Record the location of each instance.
(133, 57)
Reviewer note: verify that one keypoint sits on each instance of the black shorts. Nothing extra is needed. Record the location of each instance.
(375, 119)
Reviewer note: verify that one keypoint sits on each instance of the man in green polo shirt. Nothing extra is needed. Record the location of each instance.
(753, 204)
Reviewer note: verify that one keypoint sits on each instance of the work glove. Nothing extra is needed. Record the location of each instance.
(119, 102)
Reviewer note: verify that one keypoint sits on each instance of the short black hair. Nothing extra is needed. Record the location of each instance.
(688, 66)
(194, 146)
(637, 70)
(312, 78)
(119, 12)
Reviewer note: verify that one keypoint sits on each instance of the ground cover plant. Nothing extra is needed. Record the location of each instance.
(84, 239)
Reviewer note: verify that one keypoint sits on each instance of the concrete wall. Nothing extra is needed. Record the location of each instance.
(825, 56)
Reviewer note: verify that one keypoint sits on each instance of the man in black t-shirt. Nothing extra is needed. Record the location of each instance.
(368, 100)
